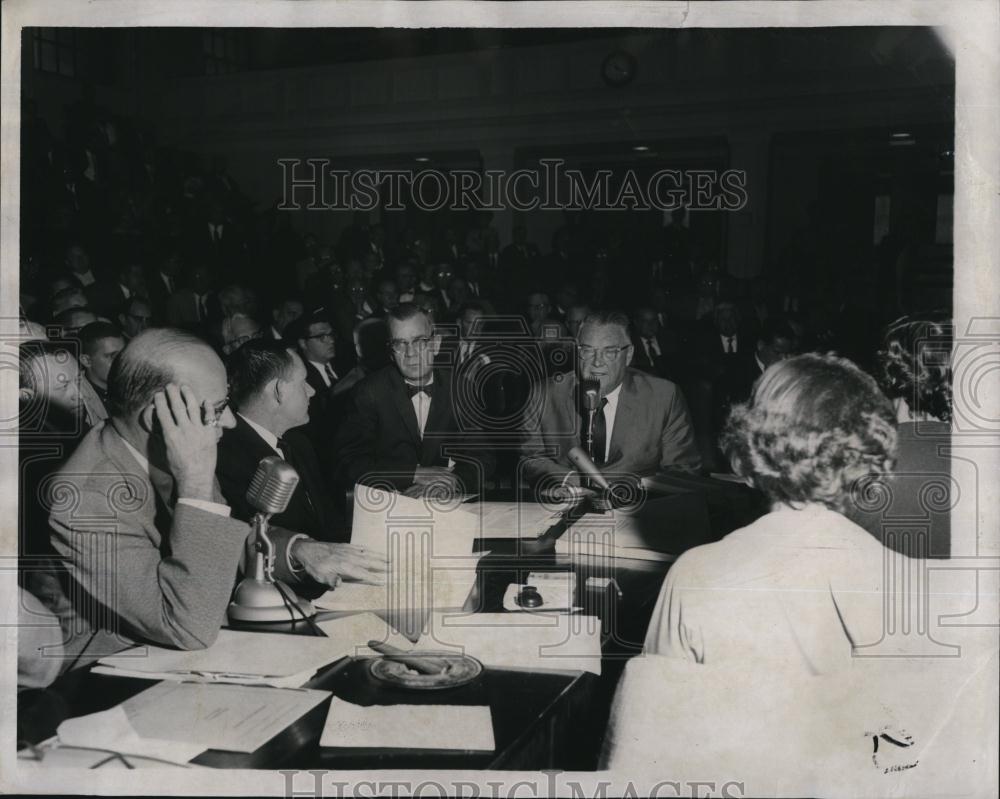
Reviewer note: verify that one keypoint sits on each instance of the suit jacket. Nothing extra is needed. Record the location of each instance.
(105, 298)
(182, 310)
(652, 430)
(153, 569)
(310, 510)
(380, 440)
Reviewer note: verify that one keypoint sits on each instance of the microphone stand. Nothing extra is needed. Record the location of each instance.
(261, 598)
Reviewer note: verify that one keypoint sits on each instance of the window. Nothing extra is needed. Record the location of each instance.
(224, 50)
(55, 50)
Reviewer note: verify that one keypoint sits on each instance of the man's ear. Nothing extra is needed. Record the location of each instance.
(279, 389)
(436, 343)
(631, 355)
(84, 360)
(147, 418)
(26, 395)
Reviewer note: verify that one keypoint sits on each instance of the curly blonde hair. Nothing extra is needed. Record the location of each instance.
(814, 426)
(914, 363)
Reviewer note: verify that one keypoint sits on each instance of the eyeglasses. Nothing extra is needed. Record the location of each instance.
(400, 346)
(327, 335)
(587, 353)
(218, 409)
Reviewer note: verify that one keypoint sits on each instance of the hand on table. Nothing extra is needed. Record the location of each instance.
(330, 563)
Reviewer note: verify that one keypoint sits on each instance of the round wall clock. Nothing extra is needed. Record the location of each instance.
(618, 68)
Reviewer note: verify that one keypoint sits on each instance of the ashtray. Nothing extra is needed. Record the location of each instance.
(459, 670)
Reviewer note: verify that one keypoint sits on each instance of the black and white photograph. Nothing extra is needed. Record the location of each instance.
(500, 399)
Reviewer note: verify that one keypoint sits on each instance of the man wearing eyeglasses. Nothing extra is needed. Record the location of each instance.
(641, 425)
(402, 429)
(147, 536)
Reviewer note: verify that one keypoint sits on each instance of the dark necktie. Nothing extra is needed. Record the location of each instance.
(412, 390)
(288, 453)
(330, 374)
(600, 432)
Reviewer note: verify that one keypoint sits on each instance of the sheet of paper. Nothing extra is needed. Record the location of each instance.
(535, 642)
(354, 596)
(112, 730)
(428, 547)
(515, 519)
(234, 718)
(464, 727)
(356, 631)
(246, 657)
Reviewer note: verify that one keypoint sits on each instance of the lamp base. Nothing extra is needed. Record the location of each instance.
(260, 601)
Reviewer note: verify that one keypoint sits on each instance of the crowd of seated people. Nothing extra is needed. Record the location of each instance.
(173, 336)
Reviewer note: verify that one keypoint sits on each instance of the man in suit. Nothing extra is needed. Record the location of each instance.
(655, 348)
(402, 429)
(285, 311)
(163, 283)
(268, 387)
(194, 306)
(100, 343)
(641, 425)
(106, 297)
(148, 538)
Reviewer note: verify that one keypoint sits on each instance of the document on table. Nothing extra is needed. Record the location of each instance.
(112, 730)
(461, 727)
(234, 718)
(276, 659)
(647, 533)
(516, 519)
(428, 547)
(535, 642)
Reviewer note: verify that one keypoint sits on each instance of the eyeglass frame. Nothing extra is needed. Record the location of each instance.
(399, 346)
(607, 353)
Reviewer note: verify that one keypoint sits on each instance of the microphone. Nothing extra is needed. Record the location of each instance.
(272, 485)
(261, 598)
(591, 394)
(581, 460)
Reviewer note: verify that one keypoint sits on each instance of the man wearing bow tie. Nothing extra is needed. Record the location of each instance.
(403, 430)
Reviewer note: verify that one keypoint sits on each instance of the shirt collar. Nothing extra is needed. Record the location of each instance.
(270, 438)
(142, 460)
(612, 398)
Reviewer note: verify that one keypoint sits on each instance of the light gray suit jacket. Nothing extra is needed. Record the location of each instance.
(147, 569)
(652, 430)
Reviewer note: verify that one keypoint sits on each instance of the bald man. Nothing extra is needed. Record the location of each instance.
(145, 533)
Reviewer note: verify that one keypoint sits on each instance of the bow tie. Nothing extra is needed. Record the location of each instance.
(427, 388)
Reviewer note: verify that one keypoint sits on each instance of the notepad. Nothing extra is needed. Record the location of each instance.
(247, 658)
(453, 727)
(233, 718)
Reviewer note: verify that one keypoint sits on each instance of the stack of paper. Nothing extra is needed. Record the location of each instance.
(284, 661)
(233, 718)
(515, 519)
(428, 547)
(461, 727)
(111, 730)
(535, 642)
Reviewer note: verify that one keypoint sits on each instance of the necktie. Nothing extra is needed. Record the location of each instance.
(475, 289)
(330, 374)
(730, 344)
(288, 453)
(412, 390)
(600, 432)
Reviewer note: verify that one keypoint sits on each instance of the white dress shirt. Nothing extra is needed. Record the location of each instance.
(269, 438)
(86, 278)
(322, 369)
(730, 344)
(421, 406)
(211, 507)
(610, 411)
